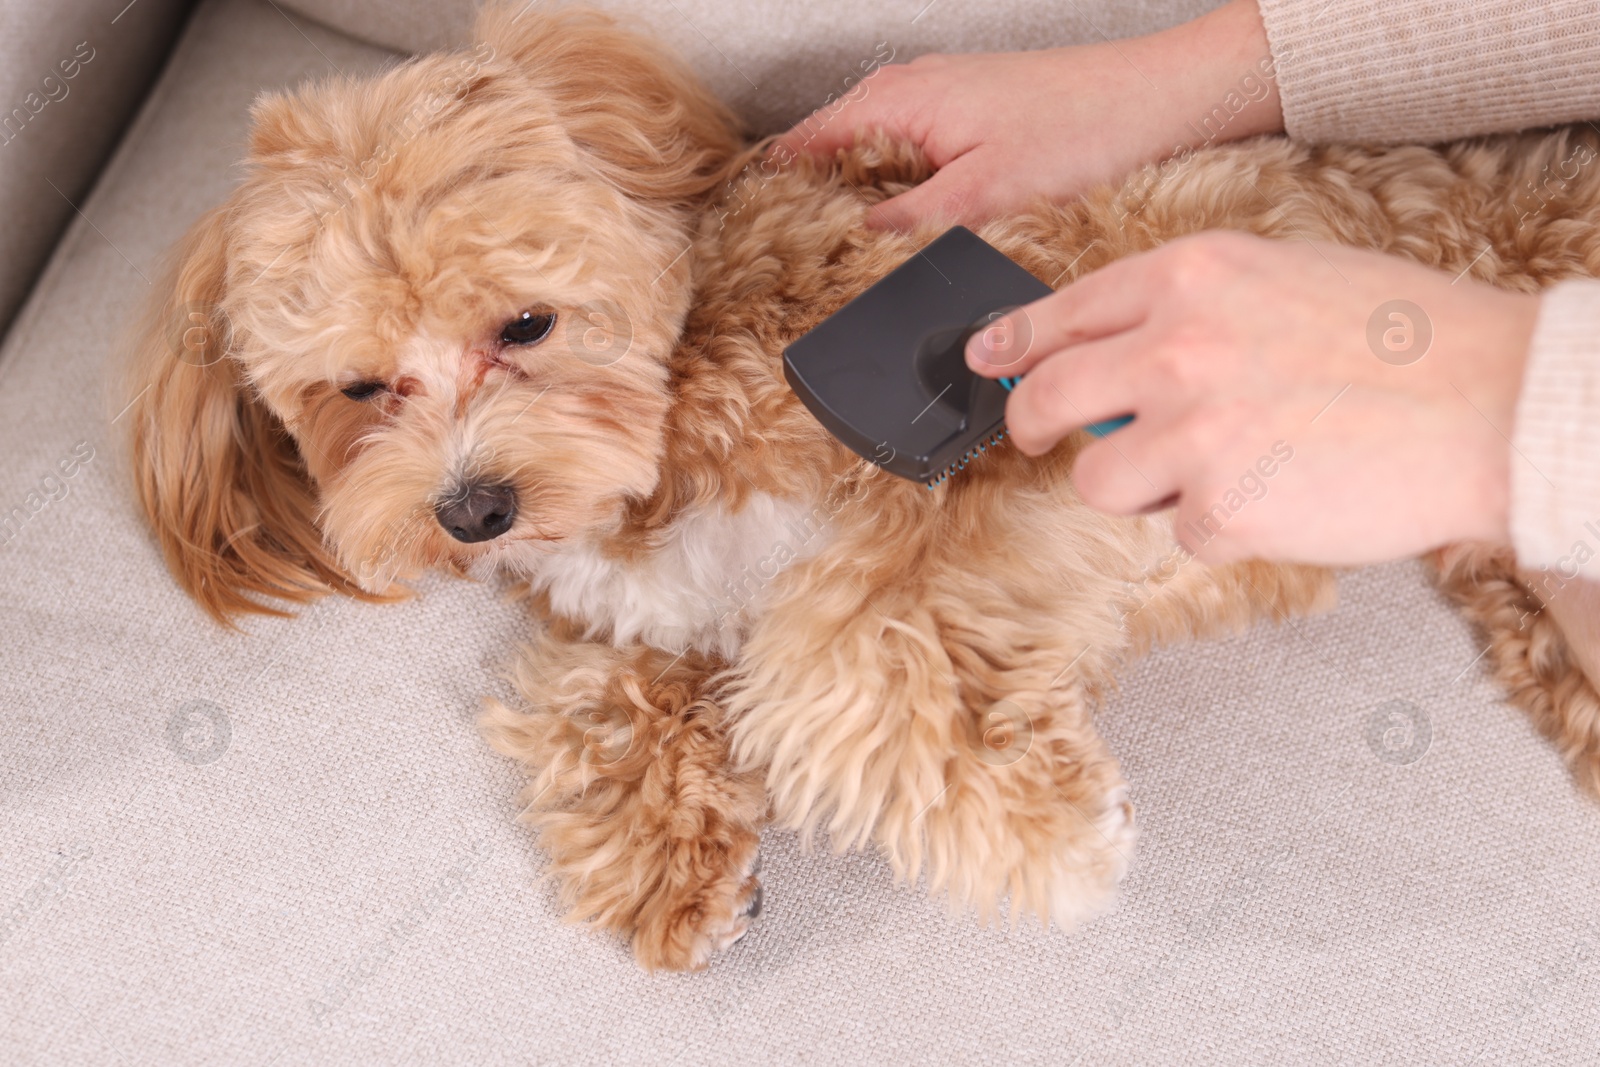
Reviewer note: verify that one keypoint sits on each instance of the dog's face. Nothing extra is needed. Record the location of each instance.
(450, 292)
(468, 347)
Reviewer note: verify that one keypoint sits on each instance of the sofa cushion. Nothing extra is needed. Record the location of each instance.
(290, 846)
(777, 62)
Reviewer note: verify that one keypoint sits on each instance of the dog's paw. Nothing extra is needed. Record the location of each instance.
(1077, 879)
(1115, 823)
(683, 934)
(726, 926)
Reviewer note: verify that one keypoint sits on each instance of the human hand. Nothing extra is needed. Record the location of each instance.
(1005, 129)
(1281, 398)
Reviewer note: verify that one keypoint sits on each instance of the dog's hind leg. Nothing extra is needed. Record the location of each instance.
(1520, 613)
(1183, 599)
(650, 832)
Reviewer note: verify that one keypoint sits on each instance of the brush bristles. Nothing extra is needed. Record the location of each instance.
(968, 456)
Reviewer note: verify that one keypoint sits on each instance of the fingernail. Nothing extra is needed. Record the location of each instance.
(980, 355)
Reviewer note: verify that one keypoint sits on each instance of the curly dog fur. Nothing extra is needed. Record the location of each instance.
(738, 621)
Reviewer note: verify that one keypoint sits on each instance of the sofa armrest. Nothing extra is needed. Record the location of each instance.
(72, 73)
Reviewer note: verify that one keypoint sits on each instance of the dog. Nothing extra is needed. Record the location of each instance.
(518, 310)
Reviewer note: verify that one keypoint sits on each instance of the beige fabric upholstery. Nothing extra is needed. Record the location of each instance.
(777, 62)
(71, 74)
(291, 846)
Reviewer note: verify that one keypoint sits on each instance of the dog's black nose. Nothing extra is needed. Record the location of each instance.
(478, 512)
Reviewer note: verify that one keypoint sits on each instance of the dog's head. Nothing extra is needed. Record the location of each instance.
(430, 327)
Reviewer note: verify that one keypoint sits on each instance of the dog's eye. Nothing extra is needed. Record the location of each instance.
(363, 390)
(527, 329)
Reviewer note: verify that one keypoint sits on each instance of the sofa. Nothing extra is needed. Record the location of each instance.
(289, 844)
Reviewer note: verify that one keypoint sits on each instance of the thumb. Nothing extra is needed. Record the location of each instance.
(959, 192)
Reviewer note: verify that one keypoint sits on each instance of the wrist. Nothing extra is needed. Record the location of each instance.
(1484, 357)
(1223, 83)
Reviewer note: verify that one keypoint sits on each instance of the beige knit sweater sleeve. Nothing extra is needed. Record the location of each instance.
(1432, 70)
(1555, 460)
(1386, 71)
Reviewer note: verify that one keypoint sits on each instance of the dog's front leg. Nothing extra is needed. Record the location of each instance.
(649, 830)
(952, 735)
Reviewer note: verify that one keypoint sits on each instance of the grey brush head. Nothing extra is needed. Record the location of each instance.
(887, 375)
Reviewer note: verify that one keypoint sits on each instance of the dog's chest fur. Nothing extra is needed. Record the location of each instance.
(700, 589)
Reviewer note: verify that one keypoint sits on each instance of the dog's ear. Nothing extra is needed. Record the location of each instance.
(221, 481)
(654, 128)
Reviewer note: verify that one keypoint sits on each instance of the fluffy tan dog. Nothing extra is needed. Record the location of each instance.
(520, 309)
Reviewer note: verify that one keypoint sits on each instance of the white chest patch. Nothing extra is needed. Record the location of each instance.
(699, 589)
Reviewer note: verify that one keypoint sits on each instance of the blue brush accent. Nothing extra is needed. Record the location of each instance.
(1094, 429)
(1100, 429)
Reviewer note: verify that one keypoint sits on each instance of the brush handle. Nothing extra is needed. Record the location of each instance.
(1094, 429)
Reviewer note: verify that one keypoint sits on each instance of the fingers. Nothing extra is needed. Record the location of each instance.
(1083, 385)
(1198, 524)
(1130, 472)
(839, 124)
(1108, 302)
(959, 192)
(822, 133)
